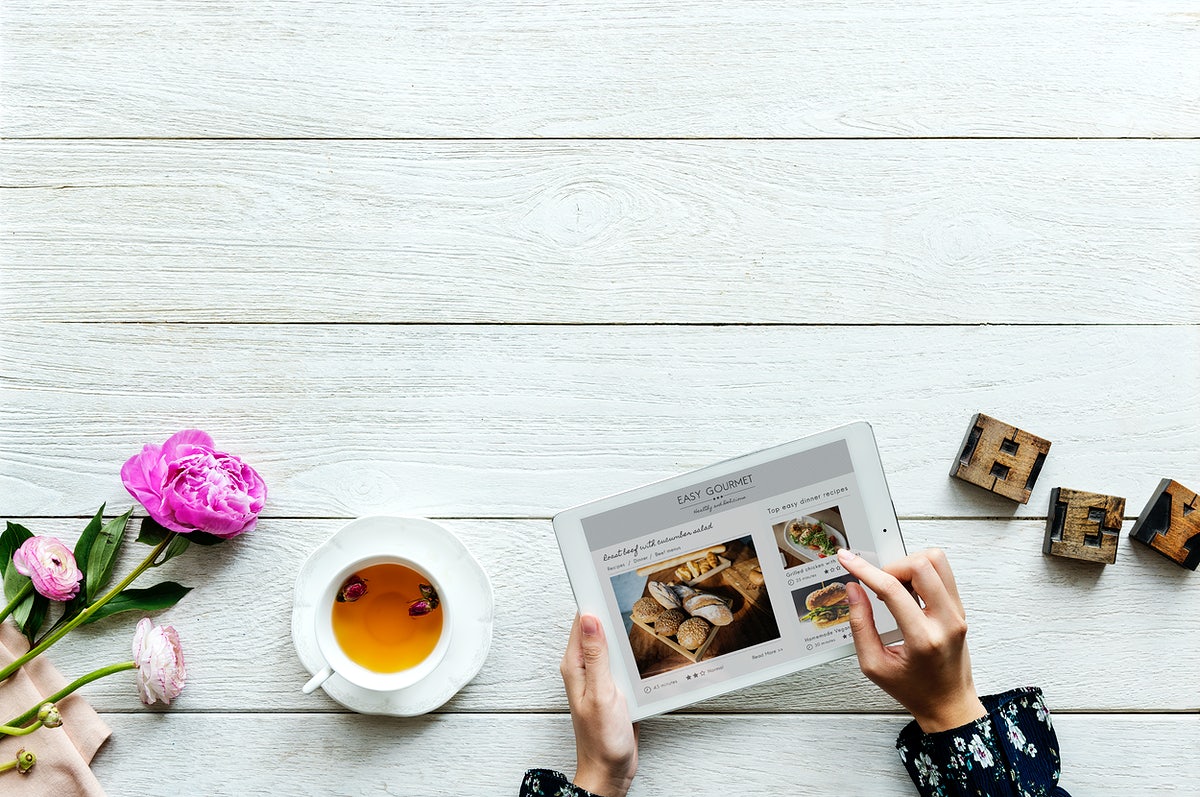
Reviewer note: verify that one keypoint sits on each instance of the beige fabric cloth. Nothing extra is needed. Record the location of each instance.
(63, 753)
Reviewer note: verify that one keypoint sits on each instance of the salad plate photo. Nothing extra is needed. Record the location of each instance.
(810, 539)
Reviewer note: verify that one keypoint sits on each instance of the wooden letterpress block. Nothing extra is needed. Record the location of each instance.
(1000, 458)
(1083, 525)
(1170, 523)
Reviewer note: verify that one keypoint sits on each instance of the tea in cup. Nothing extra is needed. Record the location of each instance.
(382, 624)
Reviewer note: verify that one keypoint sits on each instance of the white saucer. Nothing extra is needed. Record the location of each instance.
(420, 540)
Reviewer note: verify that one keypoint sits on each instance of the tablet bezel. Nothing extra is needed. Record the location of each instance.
(589, 596)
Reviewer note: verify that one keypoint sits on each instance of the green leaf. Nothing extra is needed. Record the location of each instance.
(12, 538)
(177, 546)
(151, 532)
(103, 555)
(153, 599)
(14, 582)
(83, 550)
(30, 613)
(204, 538)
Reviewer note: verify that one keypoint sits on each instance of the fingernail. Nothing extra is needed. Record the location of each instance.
(846, 555)
(853, 594)
(590, 625)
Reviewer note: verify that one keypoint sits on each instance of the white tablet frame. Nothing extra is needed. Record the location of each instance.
(585, 581)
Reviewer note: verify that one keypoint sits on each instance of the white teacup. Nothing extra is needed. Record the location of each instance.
(336, 659)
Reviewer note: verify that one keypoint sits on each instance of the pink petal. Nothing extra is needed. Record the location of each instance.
(193, 437)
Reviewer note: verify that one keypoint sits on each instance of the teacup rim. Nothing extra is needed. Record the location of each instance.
(350, 670)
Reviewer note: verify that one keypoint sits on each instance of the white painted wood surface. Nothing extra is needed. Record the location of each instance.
(460, 322)
(791, 232)
(678, 68)
(345, 420)
(368, 756)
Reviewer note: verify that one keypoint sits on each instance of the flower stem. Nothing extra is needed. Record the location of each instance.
(83, 616)
(12, 730)
(69, 688)
(25, 590)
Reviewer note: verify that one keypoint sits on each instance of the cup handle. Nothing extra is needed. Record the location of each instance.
(317, 680)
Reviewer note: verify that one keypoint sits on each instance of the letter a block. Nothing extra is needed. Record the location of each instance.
(1000, 458)
(1083, 525)
(1170, 524)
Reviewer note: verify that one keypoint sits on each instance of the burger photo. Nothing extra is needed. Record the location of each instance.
(827, 606)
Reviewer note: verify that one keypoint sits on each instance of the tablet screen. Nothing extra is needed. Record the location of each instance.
(730, 578)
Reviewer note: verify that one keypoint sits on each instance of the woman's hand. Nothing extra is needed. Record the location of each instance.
(605, 739)
(930, 673)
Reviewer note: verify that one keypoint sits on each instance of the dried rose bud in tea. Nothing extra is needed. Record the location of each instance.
(352, 590)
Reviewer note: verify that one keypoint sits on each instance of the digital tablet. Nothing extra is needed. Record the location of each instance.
(727, 576)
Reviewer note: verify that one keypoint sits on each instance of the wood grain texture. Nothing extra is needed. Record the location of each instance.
(1035, 620)
(346, 420)
(1083, 525)
(515, 68)
(797, 232)
(487, 755)
(1000, 458)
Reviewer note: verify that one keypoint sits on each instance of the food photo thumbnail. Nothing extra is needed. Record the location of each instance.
(694, 607)
(809, 538)
(824, 604)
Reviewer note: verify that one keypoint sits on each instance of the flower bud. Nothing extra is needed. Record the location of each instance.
(50, 565)
(352, 590)
(25, 761)
(430, 595)
(161, 672)
(49, 716)
(419, 608)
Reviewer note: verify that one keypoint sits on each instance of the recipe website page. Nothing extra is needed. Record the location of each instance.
(734, 574)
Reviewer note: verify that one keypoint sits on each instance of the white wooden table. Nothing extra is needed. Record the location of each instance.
(480, 261)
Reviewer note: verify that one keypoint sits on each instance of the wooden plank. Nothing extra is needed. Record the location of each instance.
(515, 68)
(524, 421)
(268, 754)
(1035, 620)
(797, 232)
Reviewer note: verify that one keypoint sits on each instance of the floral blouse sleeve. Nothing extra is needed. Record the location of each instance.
(1012, 752)
(548, 783)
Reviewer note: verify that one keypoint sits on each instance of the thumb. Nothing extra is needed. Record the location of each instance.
(867, 643)
(595, 653)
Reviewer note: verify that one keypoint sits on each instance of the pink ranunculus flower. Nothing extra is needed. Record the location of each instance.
(187, 485)
(158, 655)
(50, 565)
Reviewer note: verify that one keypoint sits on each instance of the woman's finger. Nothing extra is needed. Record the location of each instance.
(909, 616)
(867, 644)
(937, 557)
(572, 661)
(596, 673)
(919, 571)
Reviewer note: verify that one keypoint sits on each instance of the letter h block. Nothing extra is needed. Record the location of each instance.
(1170, 524)
(1083, 525)
(1000, 458)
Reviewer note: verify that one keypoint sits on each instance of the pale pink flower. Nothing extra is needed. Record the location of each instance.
(50, 565)
(187, 485)
(158, 655)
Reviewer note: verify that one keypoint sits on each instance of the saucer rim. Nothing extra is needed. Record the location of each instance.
(467, 651)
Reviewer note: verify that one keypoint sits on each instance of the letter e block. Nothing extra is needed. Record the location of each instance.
(1083, 525)
(1000, 458)
(1170, 524)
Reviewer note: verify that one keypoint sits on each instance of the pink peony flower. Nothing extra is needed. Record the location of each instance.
(161, 673)
(186, 485)
(51, 565)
